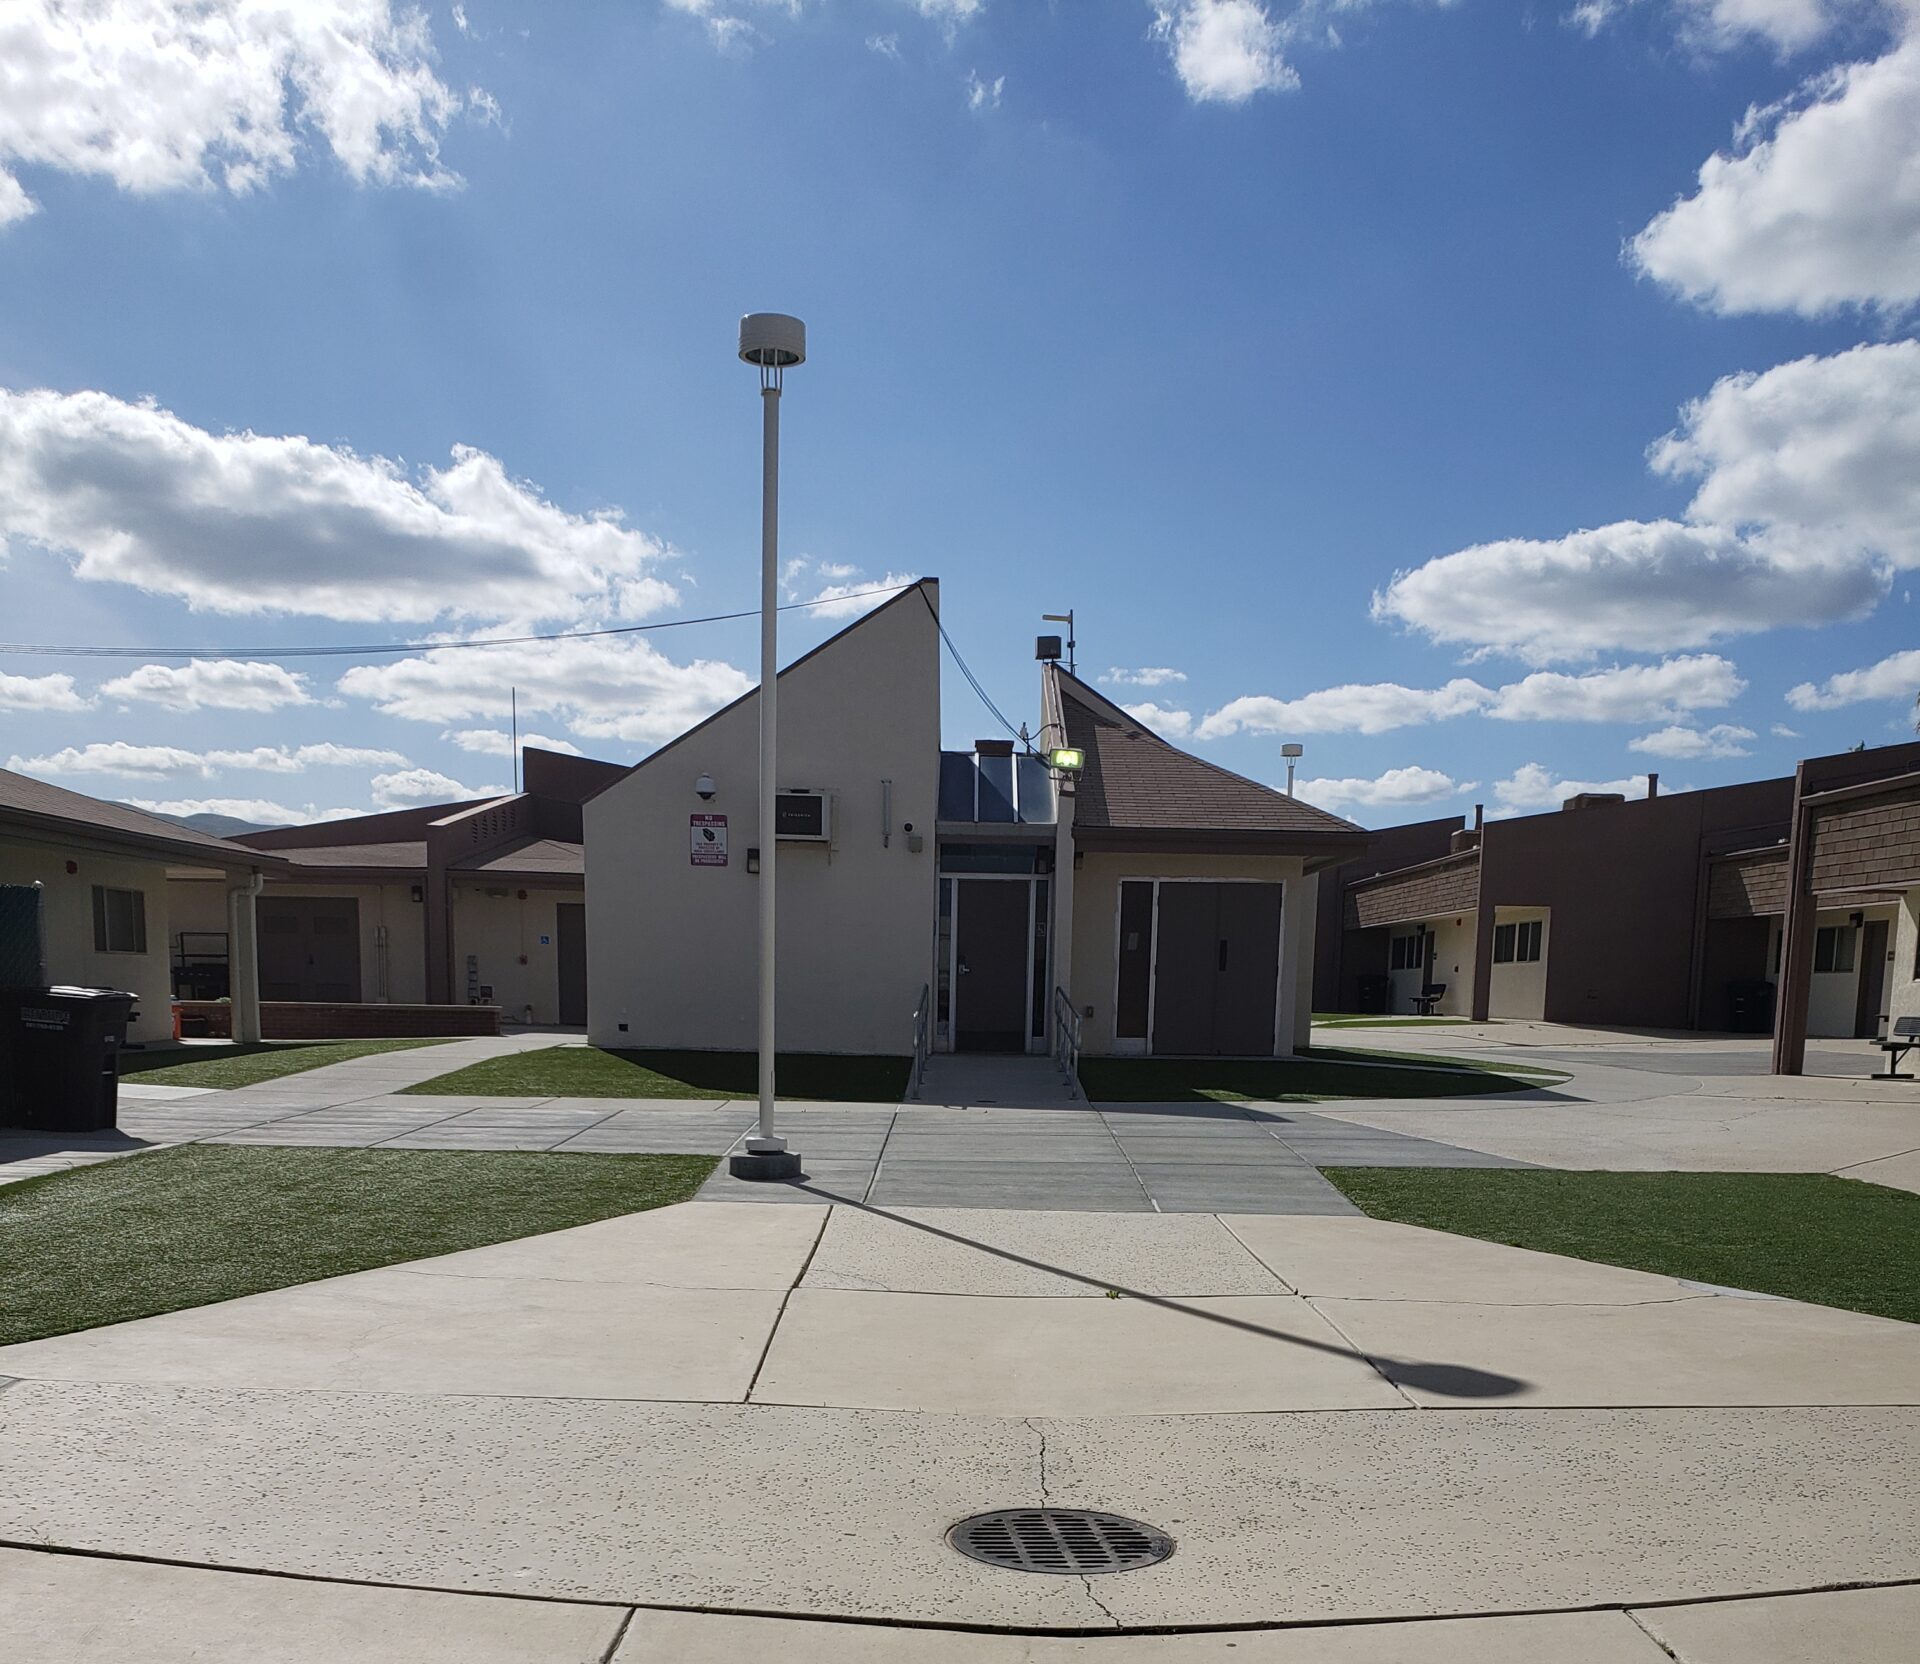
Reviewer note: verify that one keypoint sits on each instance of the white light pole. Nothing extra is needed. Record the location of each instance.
(774, 342)
(1293, 751)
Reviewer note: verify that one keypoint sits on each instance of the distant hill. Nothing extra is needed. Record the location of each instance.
(218, 826)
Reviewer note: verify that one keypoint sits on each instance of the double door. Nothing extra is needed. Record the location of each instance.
(1216, 969)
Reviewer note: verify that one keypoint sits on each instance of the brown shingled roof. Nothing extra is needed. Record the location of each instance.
(53, 811)
(1135, 781)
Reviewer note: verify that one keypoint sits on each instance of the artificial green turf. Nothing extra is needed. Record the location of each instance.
(244, 1065)
(589, 1072)
(1326, 1073)
(1808, 1236)
(182, 1227)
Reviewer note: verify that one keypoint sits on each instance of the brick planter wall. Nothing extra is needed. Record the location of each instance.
(305, 1020)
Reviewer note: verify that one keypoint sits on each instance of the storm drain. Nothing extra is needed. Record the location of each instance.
(1067, 1541)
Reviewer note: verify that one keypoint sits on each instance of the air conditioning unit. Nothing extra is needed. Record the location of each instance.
(806, 816)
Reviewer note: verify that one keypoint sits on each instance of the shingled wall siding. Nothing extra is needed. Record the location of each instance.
(1451, 886)
(1866, 841)
(1748, 886)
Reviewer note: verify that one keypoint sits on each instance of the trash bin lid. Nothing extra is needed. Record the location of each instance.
(67, 991)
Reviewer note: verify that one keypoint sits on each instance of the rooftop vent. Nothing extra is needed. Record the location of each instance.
(1592, 800)
(993, 748)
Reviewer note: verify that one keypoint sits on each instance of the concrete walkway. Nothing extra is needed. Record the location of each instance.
(617, 1434)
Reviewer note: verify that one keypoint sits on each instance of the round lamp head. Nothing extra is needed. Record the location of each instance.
(1293, 749)
(773, 340)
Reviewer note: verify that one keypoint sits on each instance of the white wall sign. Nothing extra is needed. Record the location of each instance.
(707, 835)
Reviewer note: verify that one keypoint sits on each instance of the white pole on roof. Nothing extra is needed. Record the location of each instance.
(774, 342)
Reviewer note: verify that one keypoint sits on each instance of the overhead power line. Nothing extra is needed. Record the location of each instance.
(973, 681)
(367, 650)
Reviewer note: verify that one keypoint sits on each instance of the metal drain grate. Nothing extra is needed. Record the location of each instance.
(1067, 1541)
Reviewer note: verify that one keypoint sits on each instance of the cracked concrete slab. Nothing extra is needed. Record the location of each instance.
(1284, 1518)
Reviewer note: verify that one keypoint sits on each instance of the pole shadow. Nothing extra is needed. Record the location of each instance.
(1449, 1380)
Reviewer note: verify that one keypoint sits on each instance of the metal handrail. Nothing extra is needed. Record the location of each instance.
(1066, 1034)
(922, 1039)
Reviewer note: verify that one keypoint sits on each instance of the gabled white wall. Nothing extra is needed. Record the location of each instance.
(671, 947)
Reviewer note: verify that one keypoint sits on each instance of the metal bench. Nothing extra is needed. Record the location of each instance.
(1428, 998)
(1901, 1039)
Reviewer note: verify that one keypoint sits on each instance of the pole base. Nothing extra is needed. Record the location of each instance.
(765, 1165)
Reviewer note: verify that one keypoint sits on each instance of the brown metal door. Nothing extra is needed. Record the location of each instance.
(1873, 980)
(309, 948)
(990, 966)
(1185, 969)
(570, 942)
(1247, 982)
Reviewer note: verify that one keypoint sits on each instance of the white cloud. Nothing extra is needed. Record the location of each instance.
(731, 33)
(1174, 724)
(1532, 787)
(156, 762)
(1151, 676)
(1829, 447)
(1646, 586)
(256, 809)
(242, 522)
(40, 693)
(1623, 693)
(425, 785)
(1808, 497)
(984, 95)
(609, 687)
(498, 742)
(1895, 677)
(850, 594)
(1781, 731)
(211, 684)
(1724, 739)
(888, 46)
(1354, 708)
(1397, 788)
(1786, 24)
(1817, 207)
(1224, 51)
(949, 11)
(219, 93)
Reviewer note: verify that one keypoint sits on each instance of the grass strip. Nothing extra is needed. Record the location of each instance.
(590, 1072)
(247, 1065)
(184, 1227)
(1807, 1236)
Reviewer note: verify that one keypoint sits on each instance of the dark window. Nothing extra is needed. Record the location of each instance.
(1833, 948)
(996, 789)
(1136, 960)
(1517, 943)
(119, 920)
(1042, 993)
(1407, 953)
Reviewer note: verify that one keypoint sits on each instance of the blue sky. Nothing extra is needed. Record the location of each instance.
(1490, 397)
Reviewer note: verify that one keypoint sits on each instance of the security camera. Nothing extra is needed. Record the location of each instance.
(909, 826)
(704, 787)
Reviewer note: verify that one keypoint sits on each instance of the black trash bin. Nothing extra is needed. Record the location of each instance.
(1750, 1006)
(62, 1049)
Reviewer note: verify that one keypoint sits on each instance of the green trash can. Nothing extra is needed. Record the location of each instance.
(63, 1054)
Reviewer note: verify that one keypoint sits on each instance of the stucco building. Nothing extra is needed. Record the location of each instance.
(1669, 912)
(108, 874)
(1168, 903)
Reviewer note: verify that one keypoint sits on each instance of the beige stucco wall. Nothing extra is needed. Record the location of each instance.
(1453, 942)
(1096, 923)
(499, 929)
(1833, 996)
(1520, 990)
(71, 956)
(200, 904)
(671, 947)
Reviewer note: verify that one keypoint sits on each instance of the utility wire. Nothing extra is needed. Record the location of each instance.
(372, 649)
(973, 681)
